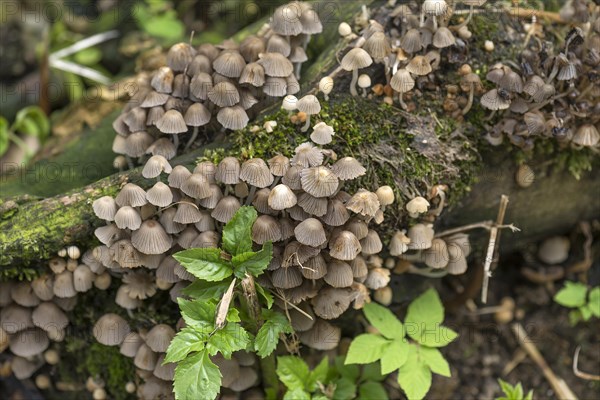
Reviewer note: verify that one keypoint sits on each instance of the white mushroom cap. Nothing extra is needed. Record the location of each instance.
(159, 337)
(111, 329)
(416, 206)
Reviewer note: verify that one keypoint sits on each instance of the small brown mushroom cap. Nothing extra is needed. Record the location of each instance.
(339, 274)
(279, 165)
(276, 65)
(337, 214)
(29, 342)
(197, 115)
(309, 104)
(287, 278)
(128, 218)
(229, 64)
(48, 315)
(159, 195)
(196, 186)
(416, 206)
(225, 209)
(420, 236)
(399, 243)
(419, 65)
(22, 293)
(437, 255)
(385, 194)
(15, 318)
(411, 41)
(443, 38)
(371, 244)
(307, 155)
(348, 168)
(83, 278)
(345, 246)
(356, 58)
(314, 268)
(319, 181)
(322, 336)
(165, 372)
(310, 232)
(300, 322)
(251, 47)
(145, 358)
(179, 56)
(266, 228)
(364, 203)
(172, 122)
(247, 378)
(151, 238)
(330, 303)
(230, 369)
(111, 329)
(286, 20)
(316, 206)
(228, 171)
(377, 278)
(281, 197)
(105, 208)
(233, 118)
(159, 337)
(139, 284)
(402, 81)
(492, 100)
(378, 46)
(587, 135)
(123, 300)
(131, 195)
(256, 173)
(322, 133)
(63, 285)
(42, 287)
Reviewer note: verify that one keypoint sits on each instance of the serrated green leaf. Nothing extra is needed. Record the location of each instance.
(237, 234)
(4, 141)
(198, 313)
(197, 377)
(319, 374)
(435, 360)
(344, 389)
(594, 301)
(268, 335)
(296, 394)
(232, 337)
(292, 372)
(427, 308)
(435, 336)
(384, 320)
(187, 340)
(572, 295)
(205, 263)
(264, 294)
(348, 371)
(394, 356)
(365, 349)
(414, 376)
(253, 263)
(371, 391)
(203, 290)
(371, 372)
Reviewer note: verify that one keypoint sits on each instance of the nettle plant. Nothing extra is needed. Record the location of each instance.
(241, 320)
(411, 348)
(329, 381)
(584, 301)
(513, 392)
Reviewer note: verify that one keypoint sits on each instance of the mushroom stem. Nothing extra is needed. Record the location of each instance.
(307, 124)
(465, 22)
(438, 211)
(176, 141)
(275, 181)
(435, 23)
(427, 272)
(353, 91)
(422, 21)
(297, 69)
(363, 92)
(402, 103)
(250, 195)
(129, 162)
(192, 139)
(416, 257)
(470, 102)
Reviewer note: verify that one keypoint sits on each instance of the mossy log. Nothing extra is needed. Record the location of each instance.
(412, 152)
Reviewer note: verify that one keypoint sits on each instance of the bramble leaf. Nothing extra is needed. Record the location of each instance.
(414, 376)
(237, 234)
(297, 394)
(319, 374)
(435, 360)
(186, 341)
(292, 371)
(232, 337)
(594, 301)
(265, 294)
(384, 320)
(372, 390)
(394, 356)
(365, 349)
(198, 313)
(205, 263)
(197, 377)
(572, 295)
(203, 290)
(253, 263)
(344, 389)
(268, 335)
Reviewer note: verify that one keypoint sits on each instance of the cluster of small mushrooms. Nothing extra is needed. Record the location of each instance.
(225, 81)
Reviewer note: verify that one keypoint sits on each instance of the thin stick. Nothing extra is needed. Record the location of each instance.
(580, 374)
(477, 225)
(77, 69)
(487, 274)
(563, 392)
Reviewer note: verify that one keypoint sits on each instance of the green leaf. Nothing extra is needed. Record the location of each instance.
(344, 389)
(436, 336)
(414, 376)
(384, 320)
(232, 337)
(575, 317)
(371, 372)
(265, 294)
(32, 121)
(511, 392)
(206, 263)
(365, 349)
(253, 263)
(594, 302)
(4, 141)
(292, 371)
(237, 234)
(187, 340)
(165, 27)
(435, 360)
(572, 295)
(319, 374)
(203, 290)
(394, 356)
(427, 308)
(296, 394)
(586, 313)
(371, 391)
(89, 56)
(198, 313)
(348, 371)
(197, 377)
(529, 395)
(268, 335)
